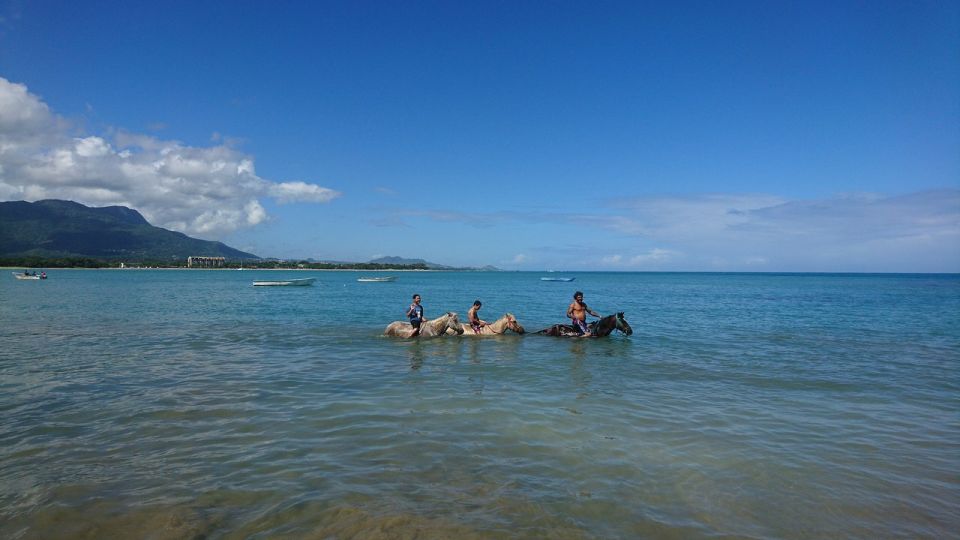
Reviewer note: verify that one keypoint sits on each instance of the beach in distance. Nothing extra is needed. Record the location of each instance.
(189, 404)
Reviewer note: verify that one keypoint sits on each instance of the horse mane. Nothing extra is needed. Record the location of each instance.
(440, 325)
(605, 326)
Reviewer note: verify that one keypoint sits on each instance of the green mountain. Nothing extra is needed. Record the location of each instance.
(54, 228)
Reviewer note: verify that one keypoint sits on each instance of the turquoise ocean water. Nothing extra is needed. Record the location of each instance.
(188, 404)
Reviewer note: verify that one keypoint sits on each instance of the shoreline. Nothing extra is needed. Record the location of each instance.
(243, 269)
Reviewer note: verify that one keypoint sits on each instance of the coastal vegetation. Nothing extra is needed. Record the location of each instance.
(257, 264)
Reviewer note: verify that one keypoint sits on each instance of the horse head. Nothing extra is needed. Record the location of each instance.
(512, 323)
(623, 325)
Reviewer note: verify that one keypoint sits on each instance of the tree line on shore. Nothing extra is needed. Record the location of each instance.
(87, 262)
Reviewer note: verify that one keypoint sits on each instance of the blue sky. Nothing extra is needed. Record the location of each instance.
(730, 136)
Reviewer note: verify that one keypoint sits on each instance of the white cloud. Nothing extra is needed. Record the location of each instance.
(916, 232)
(672, 218)
(519, 258)
(288, 192)
(22, 112)
(91, 147)
(848, 232)
(652, 258)
(204, 191)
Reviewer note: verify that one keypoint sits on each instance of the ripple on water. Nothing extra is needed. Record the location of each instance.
(747, 406)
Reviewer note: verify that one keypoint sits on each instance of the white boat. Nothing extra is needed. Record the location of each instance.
(384, 279)
(21, 275)
(557, 279)
(284, 282)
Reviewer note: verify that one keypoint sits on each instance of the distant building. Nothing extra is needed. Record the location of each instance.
(205, 262)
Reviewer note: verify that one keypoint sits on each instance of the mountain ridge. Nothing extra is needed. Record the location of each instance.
(54, 228)
(58, 228)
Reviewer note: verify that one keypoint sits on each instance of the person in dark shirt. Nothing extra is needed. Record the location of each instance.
(415, 313)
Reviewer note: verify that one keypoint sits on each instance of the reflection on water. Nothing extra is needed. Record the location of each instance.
(416, 355)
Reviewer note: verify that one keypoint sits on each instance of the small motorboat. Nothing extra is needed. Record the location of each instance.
(284, 282)
(384, 279)
(33, 276)
(566, 279)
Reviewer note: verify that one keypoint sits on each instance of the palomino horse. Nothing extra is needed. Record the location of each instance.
(435, 327)
(603, 327)
(497, 327)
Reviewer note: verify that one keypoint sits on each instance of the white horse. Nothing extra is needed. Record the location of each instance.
(435, 327)
(497, 327)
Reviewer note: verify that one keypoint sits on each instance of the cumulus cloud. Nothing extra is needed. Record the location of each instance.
(204, 191)
(23, 113)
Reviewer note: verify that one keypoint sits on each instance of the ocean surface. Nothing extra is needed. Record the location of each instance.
(190, 404)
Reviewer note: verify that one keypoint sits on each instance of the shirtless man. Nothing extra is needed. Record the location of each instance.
(474, 319)
(577, 312)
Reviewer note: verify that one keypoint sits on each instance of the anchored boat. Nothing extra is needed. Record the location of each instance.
(24, 275)
(284, 282)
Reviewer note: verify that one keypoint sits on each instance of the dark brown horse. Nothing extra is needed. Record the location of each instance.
(602, 328)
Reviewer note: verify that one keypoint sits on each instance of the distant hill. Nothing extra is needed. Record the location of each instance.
(430, 265)
(409, 262)
(54, 228)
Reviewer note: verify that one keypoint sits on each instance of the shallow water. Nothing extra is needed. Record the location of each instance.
(183, 404)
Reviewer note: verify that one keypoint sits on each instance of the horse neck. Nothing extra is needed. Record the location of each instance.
(447, 322)
(438, 324)
(498, 326)
(606, 325)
